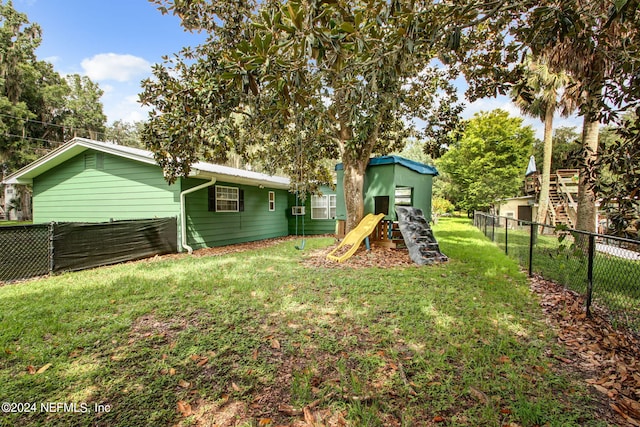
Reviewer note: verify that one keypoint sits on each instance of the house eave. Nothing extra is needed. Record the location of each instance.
(200, 170)
(69, 150)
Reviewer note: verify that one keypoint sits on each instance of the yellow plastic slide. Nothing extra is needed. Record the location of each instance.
(355, 238)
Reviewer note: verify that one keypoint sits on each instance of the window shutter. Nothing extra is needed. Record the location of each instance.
(240, 200)
(212, 198)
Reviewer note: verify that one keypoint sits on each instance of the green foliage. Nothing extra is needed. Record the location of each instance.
(125, 133)
(489, 161)
(566, 146)
(441, 206)
(290, 83)
(35, 101)
(618, 182)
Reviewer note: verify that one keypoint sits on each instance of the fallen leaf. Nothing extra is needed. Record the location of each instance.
(235, 386)
(184, 384)
(504, 359)
(172, 371)
(44, 368)
(275, 344)
(194, 357)
(479, 395)
(254, 356)
(309, 418)
(31, 369)
(265, 421)
(184, 408)
(438, 419)
(505, 411)
(203, 361)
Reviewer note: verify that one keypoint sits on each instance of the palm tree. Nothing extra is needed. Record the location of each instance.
(541, 94)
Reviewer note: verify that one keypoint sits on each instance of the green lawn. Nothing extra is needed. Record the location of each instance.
(615, 279)
(11, 223)
(252, 338)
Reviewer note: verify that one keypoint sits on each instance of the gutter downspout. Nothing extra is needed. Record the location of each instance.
(183, 213)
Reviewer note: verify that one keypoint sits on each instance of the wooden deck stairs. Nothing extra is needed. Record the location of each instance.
(563, 190)
(387, 234)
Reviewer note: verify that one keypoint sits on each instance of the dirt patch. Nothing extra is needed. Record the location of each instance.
(378, 256)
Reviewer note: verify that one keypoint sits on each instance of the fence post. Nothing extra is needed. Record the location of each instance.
(532, 230)
(51, 246)
(493, 228)
(592, 251)
(485, 224)
(506, 235)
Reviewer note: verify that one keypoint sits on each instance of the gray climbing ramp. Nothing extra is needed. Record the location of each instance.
(418, 236)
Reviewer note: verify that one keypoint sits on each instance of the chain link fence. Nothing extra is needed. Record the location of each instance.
(604, 269)
(24, 251)
(36, 250)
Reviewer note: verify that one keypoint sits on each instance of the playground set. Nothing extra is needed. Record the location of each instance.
(397, 201)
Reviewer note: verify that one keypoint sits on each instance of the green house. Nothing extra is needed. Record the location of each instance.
(92, 181)
(391, 181)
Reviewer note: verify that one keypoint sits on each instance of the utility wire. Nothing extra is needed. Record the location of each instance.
(51, 124)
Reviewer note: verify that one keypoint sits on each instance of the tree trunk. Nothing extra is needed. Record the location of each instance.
(353, 185)
(543, 202)
(586, 196)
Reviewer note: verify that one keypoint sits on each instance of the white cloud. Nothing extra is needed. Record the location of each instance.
(125, 107)
(52, 59)
(111, 66)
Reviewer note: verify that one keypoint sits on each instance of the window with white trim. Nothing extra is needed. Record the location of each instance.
(272, 201)
(403, 196)
(323, 207)
(225, 199)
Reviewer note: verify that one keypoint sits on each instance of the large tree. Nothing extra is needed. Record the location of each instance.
(35, 101)
(294, 82)
(541, 94)
(488, 162)
(594, 41)
(84, 116)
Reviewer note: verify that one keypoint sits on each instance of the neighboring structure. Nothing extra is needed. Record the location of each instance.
(391, 181)
(563, 196)
(15, 203)
(523, 208)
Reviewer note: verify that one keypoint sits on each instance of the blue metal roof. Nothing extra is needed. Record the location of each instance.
(421, 168)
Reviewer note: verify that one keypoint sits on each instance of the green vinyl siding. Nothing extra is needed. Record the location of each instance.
(311, 226)
(422, 188)
(256, 222)
(379, 181)
(92, 188)
(382, 180)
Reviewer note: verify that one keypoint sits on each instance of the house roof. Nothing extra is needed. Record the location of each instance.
(421, 168)
(200, 170)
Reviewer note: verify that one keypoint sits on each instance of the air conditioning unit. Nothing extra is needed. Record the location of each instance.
(297, 210)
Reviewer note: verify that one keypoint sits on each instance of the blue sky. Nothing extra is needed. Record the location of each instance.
(115, 43)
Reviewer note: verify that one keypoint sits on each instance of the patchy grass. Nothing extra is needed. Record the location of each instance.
(8, 223)
(255, 338)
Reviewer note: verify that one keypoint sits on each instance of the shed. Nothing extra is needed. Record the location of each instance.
(391, 181)
(92, 181)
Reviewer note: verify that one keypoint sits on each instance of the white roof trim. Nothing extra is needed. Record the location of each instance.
(200, 170)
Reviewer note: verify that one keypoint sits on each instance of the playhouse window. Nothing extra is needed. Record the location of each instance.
(404, 196)
(225, 199)
(272, 201)
(323, 207)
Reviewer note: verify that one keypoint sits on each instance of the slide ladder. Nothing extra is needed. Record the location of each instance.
(354, 238)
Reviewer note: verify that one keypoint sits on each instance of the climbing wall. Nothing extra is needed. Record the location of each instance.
(418, 236)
